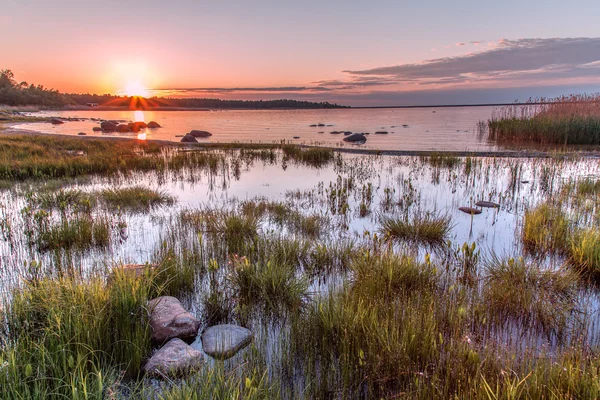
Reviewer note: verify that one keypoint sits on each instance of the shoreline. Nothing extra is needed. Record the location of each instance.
(11, 130)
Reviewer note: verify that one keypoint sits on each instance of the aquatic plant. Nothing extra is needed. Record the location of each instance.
(422, 228)
(136, 198)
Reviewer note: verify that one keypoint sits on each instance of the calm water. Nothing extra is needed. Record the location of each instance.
(451, 128)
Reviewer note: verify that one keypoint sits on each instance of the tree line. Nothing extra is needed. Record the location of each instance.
(13, 93)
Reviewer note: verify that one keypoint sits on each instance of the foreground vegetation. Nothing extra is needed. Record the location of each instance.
(399, 307)
(567, 120)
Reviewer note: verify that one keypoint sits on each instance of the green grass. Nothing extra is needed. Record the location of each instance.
(525, 292)
(423, 228)
(136, 198)
(546, 228)
(70, 338)
(585, 250)
(313, 156)
(79, 233)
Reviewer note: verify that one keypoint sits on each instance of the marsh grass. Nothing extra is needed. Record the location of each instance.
(442, 161)
(313, 156)
(65, 201)
(546, 228)
(273, 286)
(584, 251)
(79, 233)
(136, 198)
(526, 292)
(74, 338)
(564, 120)
(422, 228)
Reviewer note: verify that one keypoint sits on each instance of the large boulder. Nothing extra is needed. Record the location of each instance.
(153, 125)
(356, 138)
(188, 139)
(108, 126)
(174, 359)
(200, 134)
(224, 341)
(122, 128)
(168, 320)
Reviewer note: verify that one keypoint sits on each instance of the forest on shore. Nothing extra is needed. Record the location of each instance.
(13, 93)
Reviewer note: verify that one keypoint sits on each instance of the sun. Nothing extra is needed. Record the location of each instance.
(135, 89)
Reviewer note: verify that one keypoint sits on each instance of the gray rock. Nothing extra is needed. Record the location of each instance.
(470, 210)
(357, 137)
(223, 341)
(188, 139)
(153, 125)
(174, 359)
(168, 320)
(200, 134)
(488, 204)
(122, 128)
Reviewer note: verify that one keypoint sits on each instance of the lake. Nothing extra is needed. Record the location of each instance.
(447, 128)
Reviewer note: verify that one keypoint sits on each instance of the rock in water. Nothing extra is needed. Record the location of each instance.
(97, 129)
(188, 139)
(381, 132)
(153, 125)
(488, 204)
(201, 134)
(223, 341)
(168, 320)
(356, 137)
(470, 210)
(56, 121)
(174, 359)
(81, 134)
(108, 126)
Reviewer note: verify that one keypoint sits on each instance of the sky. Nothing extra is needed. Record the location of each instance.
(360, 53)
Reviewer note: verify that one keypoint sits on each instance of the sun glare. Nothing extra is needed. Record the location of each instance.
(135, 88)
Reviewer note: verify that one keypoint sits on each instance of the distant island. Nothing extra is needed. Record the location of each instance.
(13, 93)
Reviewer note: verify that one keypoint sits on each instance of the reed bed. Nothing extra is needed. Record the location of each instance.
(566, 120)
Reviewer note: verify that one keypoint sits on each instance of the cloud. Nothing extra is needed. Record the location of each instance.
(556, 58)
(460, 44)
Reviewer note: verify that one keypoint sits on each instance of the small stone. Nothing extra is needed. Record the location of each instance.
(224, 341)
(81, 134)
(188, 139)
(470, 210)
(56, 121)
(487, 204)
(200, 134)
(381, 132)
(175, 358)
(153, 125)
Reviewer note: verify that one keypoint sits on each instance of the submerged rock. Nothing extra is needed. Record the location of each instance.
(188, 139)
(153, 125)
(168, 320)
(356, 137)
(381, 132)
(174, 359)
(224, 341)
(470, 210)
(336, 132)
(488, 204)
(200, 134)
(81, 134)
(97, 129)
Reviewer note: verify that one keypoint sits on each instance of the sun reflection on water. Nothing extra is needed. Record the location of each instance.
(138, 116)
(141, 136)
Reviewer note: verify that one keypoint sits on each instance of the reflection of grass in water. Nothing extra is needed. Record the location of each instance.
(136, 198)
